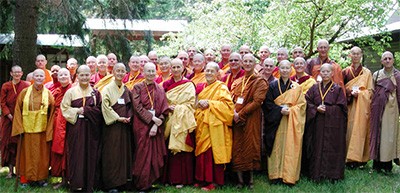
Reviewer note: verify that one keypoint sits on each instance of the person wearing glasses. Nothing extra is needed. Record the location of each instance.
(235, 71)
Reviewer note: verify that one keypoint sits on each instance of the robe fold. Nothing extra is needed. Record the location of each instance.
(359, 111)
(83, 135)
(384, 124)
(228, 79)
(8, 98)
(103, 82)
(131, 79)
(116, 158)
(197, 78)
(306, 82)
(179, 128)
(149, 153)
(35, 147)
(285, 156)
(58, 157)
(247, 131)
(213, 134)
(95, 78)
(325, 133)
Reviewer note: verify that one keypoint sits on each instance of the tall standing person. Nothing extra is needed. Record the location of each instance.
(9, 94)
(81, 107)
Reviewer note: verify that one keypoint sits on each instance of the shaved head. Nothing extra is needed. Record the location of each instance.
(83, 68)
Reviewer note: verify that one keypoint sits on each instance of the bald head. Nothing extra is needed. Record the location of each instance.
(38, 71)
(213, 65)
(297, 52)
(148, 66)
(119, 65)
(244, 49)
(284, 63)
(152, 55)
(282, 54)
(83, 68)
(177, 61)
(326, 66)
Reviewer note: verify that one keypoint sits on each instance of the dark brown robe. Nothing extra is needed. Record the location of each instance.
(116, 154)
(83, 145)
(325, 134)
(149, 152)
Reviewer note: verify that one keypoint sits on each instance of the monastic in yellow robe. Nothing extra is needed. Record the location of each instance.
(103, 82)
(199, 78)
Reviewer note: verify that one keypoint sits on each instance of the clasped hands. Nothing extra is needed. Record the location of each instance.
(157, 123)
(202, 104)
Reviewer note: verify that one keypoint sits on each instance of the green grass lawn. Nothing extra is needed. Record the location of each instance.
(360, 180)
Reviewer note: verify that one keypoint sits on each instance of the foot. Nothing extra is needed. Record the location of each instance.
(179, 186)
(210, 187)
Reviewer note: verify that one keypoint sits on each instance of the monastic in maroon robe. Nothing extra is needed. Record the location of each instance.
(148, 156)
(8, 144)
(228, 79)
(325, 133)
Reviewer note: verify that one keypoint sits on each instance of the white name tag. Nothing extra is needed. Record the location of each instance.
(240, 100)
(153, 112)
(81, 116)
(319, 78)
(121, 101)
(284, 106)
(355, 88)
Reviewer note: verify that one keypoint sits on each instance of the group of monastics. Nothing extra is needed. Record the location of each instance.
(190, 120)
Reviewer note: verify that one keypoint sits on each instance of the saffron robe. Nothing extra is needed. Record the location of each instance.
(306, 82)
(131, 79)
(35, 147)
(58, 156)
(247, 132)
(285, 156)
(95, 78)
(83, 137)
(314, 66)
(103, 82)
(149, 153)
(116, 157)
(213, 132)
(47, 77)
(385, 106)
(228, 79)
(197, 78)
(359, 111)
(325, 133)
(8, 98)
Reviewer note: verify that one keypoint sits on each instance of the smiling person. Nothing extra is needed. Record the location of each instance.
(150, 109)
(165, 67)
(214, 114)
(72, 65)
(385, 140)
(81, 107)
(263, 53)
(101, 62)
(40, 63)
(135, 74)
(282, 54)
(116, 158)
(325, 131)
(284, 119)
(91, 62)
(235, 70)
(33, 118)
(9, 94)
(198, 75)
(267, 69)
(248, 93)
(181, 95)
(209, 55)
(302, 78)
(182, 55)
(58, 154)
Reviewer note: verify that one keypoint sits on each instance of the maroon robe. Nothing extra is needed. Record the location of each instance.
(149, 153)
(83, 145)
(325, 133)
(57, 155)
(116, 155)
(8, 144)
(228, 79)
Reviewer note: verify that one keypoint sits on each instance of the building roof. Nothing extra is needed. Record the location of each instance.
(49, 40)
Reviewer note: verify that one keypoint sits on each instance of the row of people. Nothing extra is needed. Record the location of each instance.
(280, 127)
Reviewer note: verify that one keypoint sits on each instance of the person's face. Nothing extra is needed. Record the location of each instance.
(326, 74)
(63, 77)
(112, 60)
(297, 53)
(176, 69)
(191, 52)
(323, 50)
(198, 63)
(299, 66)
(119, 73)
(184, 58)
(142, 62)
(150, 73)
(134, 64)
(356, 56)
(248, 63)
(165, 66)
(244, 51)
(268, 68)
(41, 62)
(54, 71)
(84, 77)
(92, 64)
(102, 65)
(153, 58)
(210, 57)
(284, 70)
(264, 53)
(38, 77)
(225, 51)
(235, 62)
(281, 55)
(72, 66)
(387, 60)
(16, 73)
(211, 74)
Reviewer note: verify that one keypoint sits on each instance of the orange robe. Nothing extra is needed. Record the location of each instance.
(47, 77)
(314, 66)
(131, 79)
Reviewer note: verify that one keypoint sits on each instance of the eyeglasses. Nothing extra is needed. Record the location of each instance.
(54, 71)
(233, 60)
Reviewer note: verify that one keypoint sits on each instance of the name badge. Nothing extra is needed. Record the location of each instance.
(355, 88)
(240, 100)
(153, 112)
(81, 116)
(284, 106)
(121, 101)
(319, 78)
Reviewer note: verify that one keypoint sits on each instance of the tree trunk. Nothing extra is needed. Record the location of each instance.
(25, 25)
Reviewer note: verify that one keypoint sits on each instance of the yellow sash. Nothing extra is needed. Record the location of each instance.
(35, 121)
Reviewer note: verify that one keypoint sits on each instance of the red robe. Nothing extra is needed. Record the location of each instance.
(95, 78)
(8, 98)
(228, 79)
